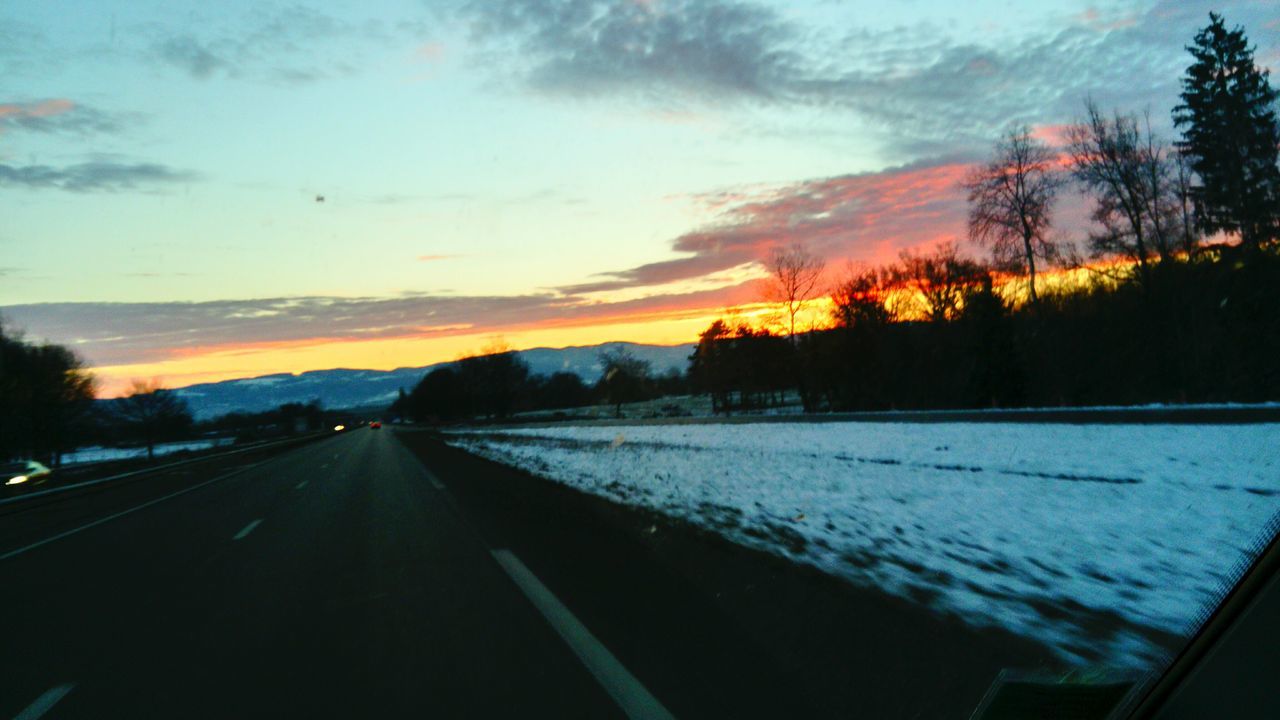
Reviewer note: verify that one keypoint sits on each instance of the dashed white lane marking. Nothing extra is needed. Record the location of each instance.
(122, 513)
(300, 485)
(247, 529)
(42, 704)
(634, 699)
(431, 478)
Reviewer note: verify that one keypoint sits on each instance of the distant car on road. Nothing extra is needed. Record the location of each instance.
(375, 425)
(24, 471)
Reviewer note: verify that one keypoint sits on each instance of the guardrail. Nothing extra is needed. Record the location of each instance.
(54, 492)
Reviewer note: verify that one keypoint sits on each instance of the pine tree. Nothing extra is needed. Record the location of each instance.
(1230, 134)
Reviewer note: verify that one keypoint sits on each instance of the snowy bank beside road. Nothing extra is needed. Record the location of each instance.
(1101, 541)
(100, 454)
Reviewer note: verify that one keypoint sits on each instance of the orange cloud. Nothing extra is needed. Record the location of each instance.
(230, 362)
(865, 218)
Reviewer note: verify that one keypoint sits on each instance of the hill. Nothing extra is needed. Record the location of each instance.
(344, 388)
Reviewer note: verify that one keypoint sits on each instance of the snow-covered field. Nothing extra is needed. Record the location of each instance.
(1104, 541)
(98, 454)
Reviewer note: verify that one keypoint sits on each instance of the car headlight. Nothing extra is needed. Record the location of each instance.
(17, 480)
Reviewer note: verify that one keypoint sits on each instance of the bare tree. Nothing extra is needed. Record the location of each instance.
(795, 277)
(1134, 183)
(937, 281)
(152, 412)
(1183, 203)
(1011, 203)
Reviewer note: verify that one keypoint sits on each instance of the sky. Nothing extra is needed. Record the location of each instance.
(194, 192)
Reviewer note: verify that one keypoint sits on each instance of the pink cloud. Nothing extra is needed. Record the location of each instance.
(1095, 20)
(1054, 136)
(44, 108)
(866, 217)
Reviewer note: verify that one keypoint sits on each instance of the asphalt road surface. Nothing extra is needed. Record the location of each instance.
(380, 574)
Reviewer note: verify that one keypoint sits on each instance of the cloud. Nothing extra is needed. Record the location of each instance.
(129, 333)
(291, 45)
(865, 217)
(102, 176)
(583, 47)
(57, 115)
(192, 56)
(436, 258)
(924, 90)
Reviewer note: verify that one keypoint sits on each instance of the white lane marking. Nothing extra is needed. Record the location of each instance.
(247, 529)
(122, 513)
(634, 699)
(42, 704)
(435, 481)
(300, 485)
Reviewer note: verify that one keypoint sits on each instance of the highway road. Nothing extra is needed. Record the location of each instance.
(378, 573)
(337, 579)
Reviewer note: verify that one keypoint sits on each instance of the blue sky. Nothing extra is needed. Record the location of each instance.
(503, 167)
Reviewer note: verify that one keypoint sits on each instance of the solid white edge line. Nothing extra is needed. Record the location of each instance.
(634, 699)
(42, 704)
(247, 529)
(122, 513)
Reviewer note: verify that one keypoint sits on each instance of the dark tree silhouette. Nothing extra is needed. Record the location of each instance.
(860, 299)
(1230, 134)
(624, 377)
(495, 380)
(562, 390)
(439, 396)
(936, 282)
(795, 277)
(1128, 172)
(708, 371)
(152, 413)
(45, 398)
(1011, 203)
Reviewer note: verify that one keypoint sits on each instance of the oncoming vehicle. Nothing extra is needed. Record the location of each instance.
(23, 472)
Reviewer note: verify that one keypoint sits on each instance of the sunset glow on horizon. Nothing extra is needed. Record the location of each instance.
(194, 194)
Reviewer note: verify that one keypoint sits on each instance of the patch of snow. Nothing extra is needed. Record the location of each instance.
(1102, 541)
(267, 381)
(99, 454)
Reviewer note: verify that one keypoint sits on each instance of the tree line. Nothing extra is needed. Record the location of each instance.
(48, 406)
(1171, 297)
(497, 384)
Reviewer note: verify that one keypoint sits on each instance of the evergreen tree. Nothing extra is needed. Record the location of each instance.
(1230, 134)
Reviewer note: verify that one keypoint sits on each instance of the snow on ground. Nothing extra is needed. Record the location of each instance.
(98, 454)
(1104, 541)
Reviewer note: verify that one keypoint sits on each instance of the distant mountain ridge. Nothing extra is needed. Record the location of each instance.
(342, 387)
